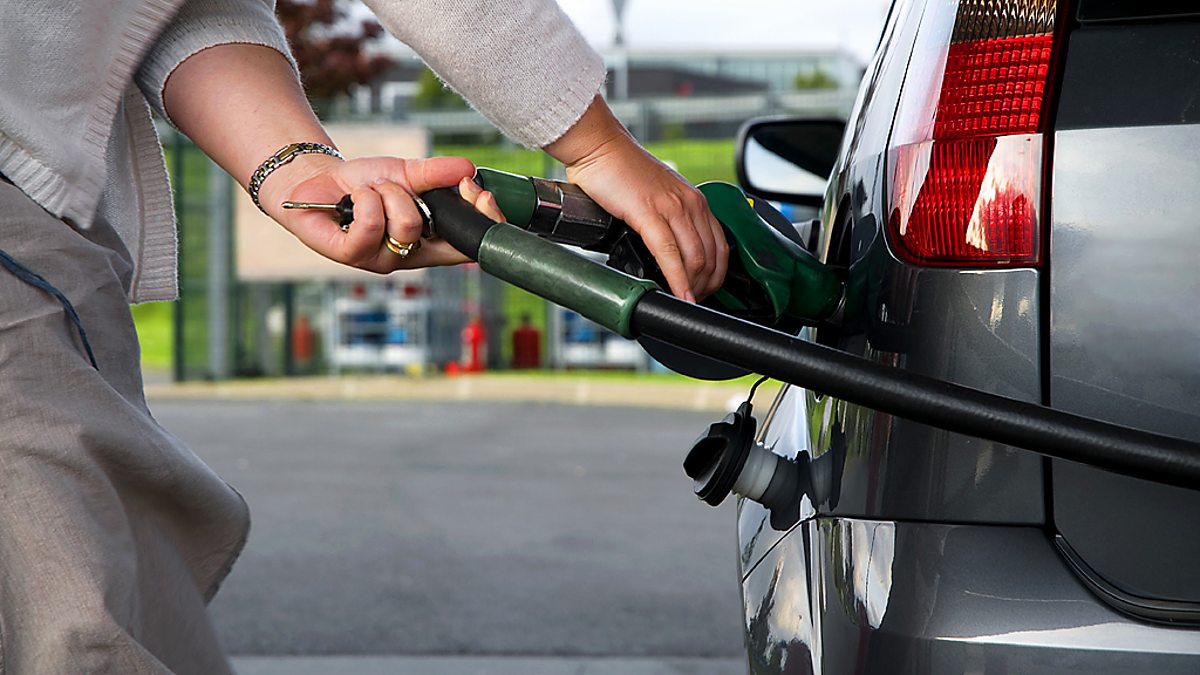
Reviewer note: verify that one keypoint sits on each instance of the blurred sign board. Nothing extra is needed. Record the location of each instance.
(267, 252)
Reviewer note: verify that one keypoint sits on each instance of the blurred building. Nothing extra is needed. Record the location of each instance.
(797, 81)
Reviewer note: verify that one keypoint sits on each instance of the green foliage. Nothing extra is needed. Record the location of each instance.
(433, 95)
(817, 79)
(331, 61)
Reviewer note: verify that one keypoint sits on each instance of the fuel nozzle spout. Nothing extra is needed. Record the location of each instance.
(726, 459)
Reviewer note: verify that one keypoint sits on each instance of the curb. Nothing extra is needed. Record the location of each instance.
(583, 390)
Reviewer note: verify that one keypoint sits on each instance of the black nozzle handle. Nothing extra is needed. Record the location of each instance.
(456, 220)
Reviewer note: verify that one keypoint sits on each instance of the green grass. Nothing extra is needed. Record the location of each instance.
(513, 159)
(156, 333)
(696, 160)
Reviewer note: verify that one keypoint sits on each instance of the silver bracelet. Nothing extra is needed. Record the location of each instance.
(285, 154)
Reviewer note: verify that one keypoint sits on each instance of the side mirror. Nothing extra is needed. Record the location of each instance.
(788, 159)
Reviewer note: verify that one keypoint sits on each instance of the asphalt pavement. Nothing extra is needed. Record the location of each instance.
(468, 537)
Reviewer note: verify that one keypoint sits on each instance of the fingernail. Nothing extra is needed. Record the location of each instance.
(690, 297)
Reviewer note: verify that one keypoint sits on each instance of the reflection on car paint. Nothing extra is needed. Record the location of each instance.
(862, 596)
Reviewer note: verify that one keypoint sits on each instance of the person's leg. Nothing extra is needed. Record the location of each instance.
(113, 535)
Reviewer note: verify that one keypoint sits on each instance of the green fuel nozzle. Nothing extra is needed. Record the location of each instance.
(771, 280)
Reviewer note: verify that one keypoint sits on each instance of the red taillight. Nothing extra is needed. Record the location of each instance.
(993, 87)
(966, 152)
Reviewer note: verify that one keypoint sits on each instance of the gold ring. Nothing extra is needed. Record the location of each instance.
(399, 249)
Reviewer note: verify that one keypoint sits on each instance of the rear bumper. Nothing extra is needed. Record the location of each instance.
(857, 596)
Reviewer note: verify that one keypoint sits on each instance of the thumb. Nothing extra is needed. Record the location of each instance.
(436, 172)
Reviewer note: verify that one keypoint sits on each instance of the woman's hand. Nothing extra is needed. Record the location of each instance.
(671, 216)
(382, 190)
(242, 102)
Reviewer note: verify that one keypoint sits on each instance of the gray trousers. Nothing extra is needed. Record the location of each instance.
(113, 535)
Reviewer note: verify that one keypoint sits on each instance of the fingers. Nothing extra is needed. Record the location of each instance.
(382, 189)
(717, 263)
(435, 172)
(704, 269)
(362, 240)
(404, 222)
(661, 241)
(695, 254)
(687, 241)
(708, 273)
(722, 267)
(432, 253)
(381, 210)
(482, 200)
(697, 248)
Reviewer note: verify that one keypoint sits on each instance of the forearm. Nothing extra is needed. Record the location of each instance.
(240, 103)
(597, 130)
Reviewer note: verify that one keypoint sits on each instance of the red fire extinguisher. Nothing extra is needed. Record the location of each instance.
(303, 338)
(526, 345)
(474, 339)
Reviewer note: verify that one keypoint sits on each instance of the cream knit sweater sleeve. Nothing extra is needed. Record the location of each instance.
(521, 63)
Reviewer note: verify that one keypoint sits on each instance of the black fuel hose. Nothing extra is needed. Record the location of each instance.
(923, 399)
(633, 307)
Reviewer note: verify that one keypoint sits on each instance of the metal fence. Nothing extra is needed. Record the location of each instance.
(222, 327)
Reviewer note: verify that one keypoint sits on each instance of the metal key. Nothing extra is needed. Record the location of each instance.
(344, 208)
